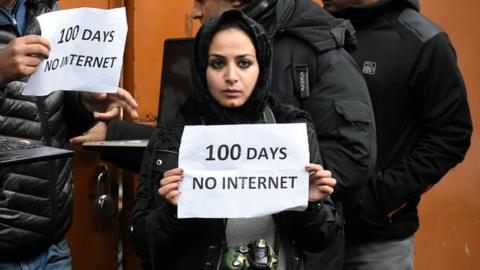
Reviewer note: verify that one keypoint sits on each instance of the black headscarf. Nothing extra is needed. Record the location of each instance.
(202, 103)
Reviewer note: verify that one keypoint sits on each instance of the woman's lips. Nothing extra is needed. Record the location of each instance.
(232, 92)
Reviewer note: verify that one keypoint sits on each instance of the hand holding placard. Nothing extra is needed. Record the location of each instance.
(243, 170)
(87, 46)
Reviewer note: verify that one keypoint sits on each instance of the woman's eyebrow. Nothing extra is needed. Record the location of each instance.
(244, 55)
(216, 55)
(237, 56)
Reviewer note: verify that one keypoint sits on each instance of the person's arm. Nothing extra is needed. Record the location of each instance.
(127, 130)
(445, 126)
(344, 121)
(129, 159)
(77, 118)
(85, 108)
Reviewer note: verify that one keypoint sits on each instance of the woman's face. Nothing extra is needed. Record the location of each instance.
(232, 70)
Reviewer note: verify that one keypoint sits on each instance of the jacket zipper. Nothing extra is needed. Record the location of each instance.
(42, 114)
(12, 19)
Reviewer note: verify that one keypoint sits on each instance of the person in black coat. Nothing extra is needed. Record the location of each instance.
(36, 198)
(231, 70)
(423, 124)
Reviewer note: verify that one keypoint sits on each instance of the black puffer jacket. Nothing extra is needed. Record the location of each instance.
(421, 109)
(36, 199)
(165, 242)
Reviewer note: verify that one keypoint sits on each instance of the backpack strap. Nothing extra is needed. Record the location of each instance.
(268, 116)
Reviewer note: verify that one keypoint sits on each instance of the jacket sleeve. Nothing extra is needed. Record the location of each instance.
(445, 121)
(78, 118)
(128, 130)
(340, 106)
(154, 227)
(320, 224)
(126, 158)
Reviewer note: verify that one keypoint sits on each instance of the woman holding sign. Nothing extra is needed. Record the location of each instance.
(231, 69)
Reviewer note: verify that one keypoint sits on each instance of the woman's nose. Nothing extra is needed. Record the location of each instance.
(231, 75)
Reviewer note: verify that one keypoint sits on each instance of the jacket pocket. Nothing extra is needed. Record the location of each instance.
(371, 208)
(358, 130)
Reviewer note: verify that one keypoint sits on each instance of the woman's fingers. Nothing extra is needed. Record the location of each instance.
(170, 183)
(166, 189)
(172, 197)
(320, 173)
(312, 167)
(172, 176)
(325, 189)
(324, 181)
(174, 171)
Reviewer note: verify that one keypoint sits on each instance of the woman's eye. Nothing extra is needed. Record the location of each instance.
(217, 64)
(243, 63)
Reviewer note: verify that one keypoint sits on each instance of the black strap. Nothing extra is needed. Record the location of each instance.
(268, 116)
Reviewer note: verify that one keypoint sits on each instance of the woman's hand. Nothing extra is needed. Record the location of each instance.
(321, 182)
(169, 185)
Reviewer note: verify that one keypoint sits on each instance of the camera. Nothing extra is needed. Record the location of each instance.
(256, 255)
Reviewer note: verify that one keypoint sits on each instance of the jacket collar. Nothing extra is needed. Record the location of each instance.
(367, 14)
(305, 20)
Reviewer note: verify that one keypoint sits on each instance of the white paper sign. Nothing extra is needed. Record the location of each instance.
(242, 171)
(86, 54)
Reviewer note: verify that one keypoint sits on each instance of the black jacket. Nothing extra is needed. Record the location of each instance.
(165, 242)
(36, 198)
(421, 110)
(305, 35)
